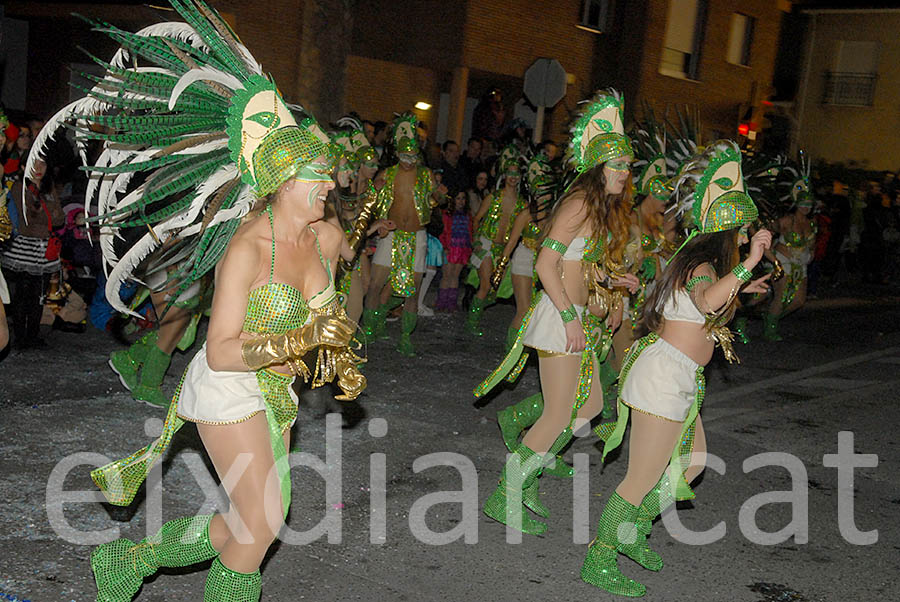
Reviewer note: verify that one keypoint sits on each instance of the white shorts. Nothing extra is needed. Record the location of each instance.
(662, 382)
(212, 397)
(546, 330)
(486, 247)
(522, 261)
(382, 254)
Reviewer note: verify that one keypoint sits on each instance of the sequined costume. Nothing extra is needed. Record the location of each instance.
(404, 253)
(800, 248)
(193, 135)
(658, 379)
(486, 246)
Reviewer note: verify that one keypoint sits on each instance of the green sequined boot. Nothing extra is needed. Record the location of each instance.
(740, 329)
(608, 378)
(474, 316)
(126, 362)
(518, 417)
(372, 324)
(553, 463)
(149, 388)
(225, 585)
(601, 567)
(519, 474)
(652, 506)
(770, 327)
(121, 566)
(408, 324)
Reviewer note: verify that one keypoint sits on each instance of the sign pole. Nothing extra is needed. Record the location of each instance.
(537, 135)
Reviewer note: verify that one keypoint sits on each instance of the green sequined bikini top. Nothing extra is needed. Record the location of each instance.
(799, 241)
(276, 307)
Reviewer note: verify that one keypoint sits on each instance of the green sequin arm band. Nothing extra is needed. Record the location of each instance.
(695, 281)
(568, 314)
(742, 273)
(555, 245)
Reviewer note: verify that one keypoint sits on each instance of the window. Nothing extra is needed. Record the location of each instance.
(594, 15)
(740, 39)
(685, 29)
(851, 82)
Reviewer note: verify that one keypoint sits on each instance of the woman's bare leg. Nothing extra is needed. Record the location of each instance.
(651, 443)
(559, 379)
(522, 286)
(484, 278)
(255, 515)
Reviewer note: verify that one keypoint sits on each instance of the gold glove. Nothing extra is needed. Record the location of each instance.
(499, 271)
(259, 352)
(777, 271)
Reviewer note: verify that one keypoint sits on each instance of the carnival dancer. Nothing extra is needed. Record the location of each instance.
(524, 241)
(584, 245)
(406, 199)
(353, 211)
(794, 247)
(193, 112)
(662, 378)
(493, 225)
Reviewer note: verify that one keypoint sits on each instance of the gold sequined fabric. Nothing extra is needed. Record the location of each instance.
(403, 260)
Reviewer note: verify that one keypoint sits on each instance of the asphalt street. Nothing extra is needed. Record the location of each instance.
(417, 430)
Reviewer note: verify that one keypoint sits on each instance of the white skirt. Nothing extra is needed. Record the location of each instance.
(522, 261)
(662, 382)
(546, 330)
(212, 397)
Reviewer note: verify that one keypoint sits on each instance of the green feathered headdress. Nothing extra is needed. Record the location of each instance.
(710, 192)
(192, 134)
(598, 133)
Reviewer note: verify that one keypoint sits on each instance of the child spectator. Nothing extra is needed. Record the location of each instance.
(457, 241)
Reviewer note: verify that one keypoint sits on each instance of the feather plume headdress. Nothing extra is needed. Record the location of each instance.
(192, 134)
(709, 191)
(650, 169)
(598, 132)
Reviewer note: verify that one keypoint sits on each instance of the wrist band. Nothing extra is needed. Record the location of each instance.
(697, 280)
(555, 245)
(568, 314)
(742, 273)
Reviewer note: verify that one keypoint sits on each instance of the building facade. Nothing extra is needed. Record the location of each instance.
(382, 57)
(846, 108)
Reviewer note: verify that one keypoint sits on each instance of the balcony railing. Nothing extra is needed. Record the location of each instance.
(849, 89)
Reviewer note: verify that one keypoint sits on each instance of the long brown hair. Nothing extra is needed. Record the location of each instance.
(719, 249)
(608, 213)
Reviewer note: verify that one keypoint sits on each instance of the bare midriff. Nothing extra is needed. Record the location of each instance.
(689, 338)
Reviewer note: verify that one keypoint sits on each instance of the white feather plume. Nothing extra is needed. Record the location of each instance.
(172, 29)
(203, 74)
